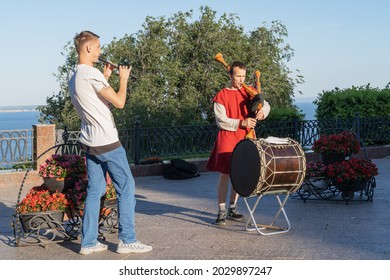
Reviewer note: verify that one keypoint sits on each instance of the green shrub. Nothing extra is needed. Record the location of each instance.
(345, 103)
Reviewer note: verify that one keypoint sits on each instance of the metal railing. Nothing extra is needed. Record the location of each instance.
(194, 140)
(166, 142)
(141, 143)
(15, 147)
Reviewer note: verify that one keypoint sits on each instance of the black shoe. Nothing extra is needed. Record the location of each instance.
(232, 214)
(221, 218)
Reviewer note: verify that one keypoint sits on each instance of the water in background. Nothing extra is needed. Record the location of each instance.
(25, 119)
(18, 120)
(307, 108)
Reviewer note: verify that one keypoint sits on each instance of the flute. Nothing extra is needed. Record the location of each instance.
(115, 66)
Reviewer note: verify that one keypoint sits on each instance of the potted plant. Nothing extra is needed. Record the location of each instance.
(109, 199)
(336, 147)
(78, 193)
(60, 171)
(316, 174)
(41, 208)
(110, 189)
(351, 175)
(315, 169)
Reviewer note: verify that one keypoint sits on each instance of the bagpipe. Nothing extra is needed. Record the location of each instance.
(256, 101)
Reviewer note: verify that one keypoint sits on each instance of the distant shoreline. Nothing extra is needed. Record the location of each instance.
(18, 109)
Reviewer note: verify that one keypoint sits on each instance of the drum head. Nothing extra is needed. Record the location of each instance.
(245, 167)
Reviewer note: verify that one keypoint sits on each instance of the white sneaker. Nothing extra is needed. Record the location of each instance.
(135, 247)
(98, 247)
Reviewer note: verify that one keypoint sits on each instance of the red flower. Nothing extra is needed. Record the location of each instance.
(345, 143)
(315, 169)
(351, 170)
(39, 199)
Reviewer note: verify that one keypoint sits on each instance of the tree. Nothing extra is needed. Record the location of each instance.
(177, 76)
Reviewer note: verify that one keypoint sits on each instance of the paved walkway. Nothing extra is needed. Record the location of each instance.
(176, 218)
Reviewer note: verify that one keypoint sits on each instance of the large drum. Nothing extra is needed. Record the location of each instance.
(263, 165)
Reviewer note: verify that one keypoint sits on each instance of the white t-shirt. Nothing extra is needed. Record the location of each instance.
(97, 123)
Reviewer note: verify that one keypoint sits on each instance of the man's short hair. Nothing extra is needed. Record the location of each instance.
(238, 64)
(82, 38)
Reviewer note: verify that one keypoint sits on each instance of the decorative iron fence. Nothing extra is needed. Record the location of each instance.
(166, 142)
(15, 147)
(180, 141)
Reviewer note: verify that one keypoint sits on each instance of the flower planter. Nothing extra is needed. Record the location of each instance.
(61, 184)
(342, 143)
(107, 205)
(349, 188)
(318, 182)
(352, 175)
(353, 186)
(332, 158)
(108, 221)
(54, 184)
(36, 221)
(71, 180)
(68, 166)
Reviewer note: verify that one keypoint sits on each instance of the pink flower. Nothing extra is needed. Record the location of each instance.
(62, 166)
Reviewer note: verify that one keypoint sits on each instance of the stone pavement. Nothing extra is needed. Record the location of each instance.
(176, 218)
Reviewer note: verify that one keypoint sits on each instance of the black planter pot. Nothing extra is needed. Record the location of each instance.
(54, 184)
(332, 158)
(353, 186)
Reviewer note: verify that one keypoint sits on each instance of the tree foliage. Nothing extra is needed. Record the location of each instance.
(345, 103)
(173, 59)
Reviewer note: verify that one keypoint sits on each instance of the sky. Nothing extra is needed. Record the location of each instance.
(337, 43)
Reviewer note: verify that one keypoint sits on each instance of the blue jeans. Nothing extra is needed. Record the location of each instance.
(115, 162)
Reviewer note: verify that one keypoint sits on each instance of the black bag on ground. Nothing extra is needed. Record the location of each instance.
(180, 169)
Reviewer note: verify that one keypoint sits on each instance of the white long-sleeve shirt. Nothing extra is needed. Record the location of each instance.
(226, 123)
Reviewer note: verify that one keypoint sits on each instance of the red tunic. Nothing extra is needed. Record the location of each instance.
(235, 102)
